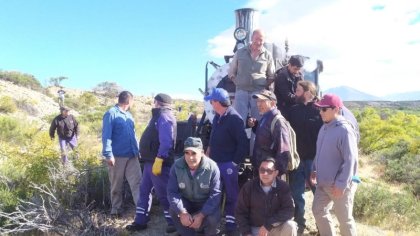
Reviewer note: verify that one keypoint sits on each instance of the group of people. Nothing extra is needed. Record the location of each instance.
(190, 188)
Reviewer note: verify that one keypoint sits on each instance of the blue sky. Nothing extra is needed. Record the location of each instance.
(162, 46)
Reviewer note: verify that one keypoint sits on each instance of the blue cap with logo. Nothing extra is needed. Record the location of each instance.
(218, 94)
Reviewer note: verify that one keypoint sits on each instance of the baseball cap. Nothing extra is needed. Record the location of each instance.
(218, 94)
(265, 94)
(194, 144)
(163, 98)
(330, 100)
(63, 108)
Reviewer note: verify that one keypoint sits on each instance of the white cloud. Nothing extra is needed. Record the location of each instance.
(372, 46)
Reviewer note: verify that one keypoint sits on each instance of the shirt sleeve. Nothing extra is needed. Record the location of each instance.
(241, 141)
(242, 210)
(213, 202)
(166, 134)
(233, 67)
(349, 153)
(53, 127)
(281, 140)
(107, 136)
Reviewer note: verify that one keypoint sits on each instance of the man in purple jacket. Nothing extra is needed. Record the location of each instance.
(227, 147)
(157, 151)
(333, 169)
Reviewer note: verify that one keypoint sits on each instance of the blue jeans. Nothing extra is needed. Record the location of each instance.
(297, 182)
(63, 147)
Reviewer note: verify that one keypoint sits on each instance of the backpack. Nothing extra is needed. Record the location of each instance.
(294, 159)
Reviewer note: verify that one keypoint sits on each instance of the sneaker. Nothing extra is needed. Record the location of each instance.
(170, 229)
(135, 227)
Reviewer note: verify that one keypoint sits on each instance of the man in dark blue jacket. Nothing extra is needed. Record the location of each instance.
(120, 150)
(157, 151)
(194, 191)
(228, 147)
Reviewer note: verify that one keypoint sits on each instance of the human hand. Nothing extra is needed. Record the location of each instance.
(110, 161)
(186, 219)
(312, 178)
(197, 221)
(251, 122)
(157, 166)
(263, 231)
(336, 192)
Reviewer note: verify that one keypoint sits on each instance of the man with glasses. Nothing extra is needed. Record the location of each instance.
(228, 147)
(194, 191)
(265, 205)
(334, 169)
(271, 141)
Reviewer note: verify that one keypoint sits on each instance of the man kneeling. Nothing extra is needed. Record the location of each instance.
(265, 204)
(194, 191)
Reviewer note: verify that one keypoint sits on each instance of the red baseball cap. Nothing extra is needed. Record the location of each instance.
(330, 100)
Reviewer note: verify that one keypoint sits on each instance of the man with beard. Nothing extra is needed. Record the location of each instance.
(305, 120)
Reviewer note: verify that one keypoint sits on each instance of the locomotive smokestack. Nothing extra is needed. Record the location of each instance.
(246, 18)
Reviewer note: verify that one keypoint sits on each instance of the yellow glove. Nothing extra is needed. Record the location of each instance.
(157, 166)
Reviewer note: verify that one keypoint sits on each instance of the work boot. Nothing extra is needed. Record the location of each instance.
(135, 227)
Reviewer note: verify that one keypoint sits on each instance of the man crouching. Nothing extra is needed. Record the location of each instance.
(265, 204)
(194, 191)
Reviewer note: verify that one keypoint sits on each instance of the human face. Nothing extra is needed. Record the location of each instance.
(263, 105)
(300, 94)
(328, 113)
(193, 158)
(257, 40)
(65, 113)
(294, 70)
(267, 173)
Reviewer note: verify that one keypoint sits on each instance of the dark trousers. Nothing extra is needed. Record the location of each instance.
(148, 182)
(229, 177)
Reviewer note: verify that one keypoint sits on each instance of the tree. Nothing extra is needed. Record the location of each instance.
(108, 89)
(56, 81)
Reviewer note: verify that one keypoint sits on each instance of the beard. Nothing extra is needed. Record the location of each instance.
(300, 99)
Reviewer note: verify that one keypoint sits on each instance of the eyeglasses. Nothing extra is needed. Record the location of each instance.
(268, 171)
(324, 109)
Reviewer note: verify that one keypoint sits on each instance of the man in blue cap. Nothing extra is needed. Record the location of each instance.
(228, 147)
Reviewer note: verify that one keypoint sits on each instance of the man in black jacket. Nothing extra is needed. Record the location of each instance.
(285, 82)
(67, 131)
(265, 205)
(306, 121)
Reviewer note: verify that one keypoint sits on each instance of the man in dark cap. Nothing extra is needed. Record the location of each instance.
(271, 134)
(67, 131)
(285, 83)
(228, 147)
(194, 191)
(157, 152)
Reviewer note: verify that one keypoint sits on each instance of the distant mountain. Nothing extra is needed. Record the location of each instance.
(408, 96)
(350, 94)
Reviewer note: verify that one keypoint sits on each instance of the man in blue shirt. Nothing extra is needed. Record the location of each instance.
(120, 149)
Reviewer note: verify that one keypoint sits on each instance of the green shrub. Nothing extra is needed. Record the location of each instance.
(375, 204)
(7, 105)
(16, 131)
(21, 79)
(29, 106)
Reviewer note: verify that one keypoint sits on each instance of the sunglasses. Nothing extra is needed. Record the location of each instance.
(268, 171)
(324, 109)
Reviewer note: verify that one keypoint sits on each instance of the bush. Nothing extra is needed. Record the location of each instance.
(29, 106)
(377, 205)
(21, 79)
(7, 105)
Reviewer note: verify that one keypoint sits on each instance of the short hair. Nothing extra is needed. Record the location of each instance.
(308, 86)
(124, 97)
(270, 159)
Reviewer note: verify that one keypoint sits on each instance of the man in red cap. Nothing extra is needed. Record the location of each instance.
(334, 169)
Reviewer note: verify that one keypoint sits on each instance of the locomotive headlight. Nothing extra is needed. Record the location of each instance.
(240, 33)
